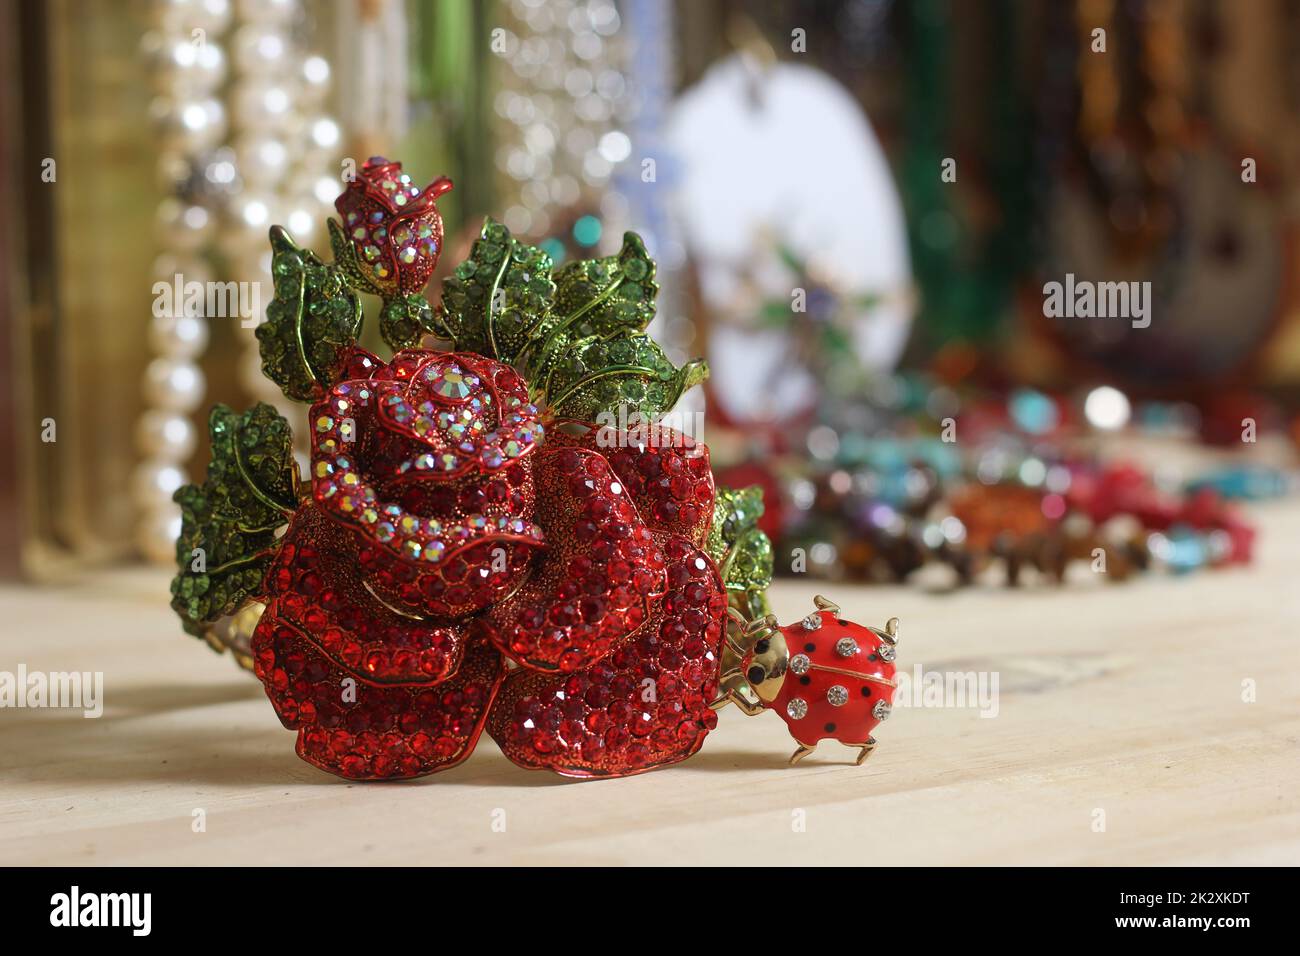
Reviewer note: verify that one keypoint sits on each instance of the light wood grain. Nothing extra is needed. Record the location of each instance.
(1120, 698)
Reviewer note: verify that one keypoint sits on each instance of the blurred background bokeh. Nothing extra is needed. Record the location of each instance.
(855, 204)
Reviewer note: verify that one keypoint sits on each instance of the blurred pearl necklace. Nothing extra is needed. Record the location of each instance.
(278, 168)
(188, 67)
(285, 148)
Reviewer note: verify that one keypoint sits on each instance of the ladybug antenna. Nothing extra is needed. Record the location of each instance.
(826, 604)
(890, 633)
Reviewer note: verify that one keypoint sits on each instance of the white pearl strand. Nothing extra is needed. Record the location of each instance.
(285, 147)
(189, 66)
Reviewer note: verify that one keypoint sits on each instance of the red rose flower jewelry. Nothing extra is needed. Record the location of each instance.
(474, 548)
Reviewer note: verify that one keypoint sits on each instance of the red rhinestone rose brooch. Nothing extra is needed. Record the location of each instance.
(502, 534)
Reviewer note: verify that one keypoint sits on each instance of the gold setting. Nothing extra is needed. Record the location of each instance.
(234, 632)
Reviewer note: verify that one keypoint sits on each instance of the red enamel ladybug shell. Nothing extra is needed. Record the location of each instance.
(839, 683)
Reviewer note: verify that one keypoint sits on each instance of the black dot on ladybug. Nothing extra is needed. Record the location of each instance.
(810, 648)
(761, 647)
(873, 657)
(830, 728)
(805, 680)
(866, 691)
(755, 675)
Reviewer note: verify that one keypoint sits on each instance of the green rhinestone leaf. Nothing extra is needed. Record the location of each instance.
(578, 338)
(735, 511)
(312, 320)
(629, 370)
(229, 523)
(404, 320)
(741, 549)
(595, 297)
(492, 301)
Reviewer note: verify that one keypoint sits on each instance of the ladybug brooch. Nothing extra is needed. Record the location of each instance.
(826, 677)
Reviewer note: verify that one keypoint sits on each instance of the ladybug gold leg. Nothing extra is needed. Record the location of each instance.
(737, 697)
(749, 632)
(865, 752)
(802, 752)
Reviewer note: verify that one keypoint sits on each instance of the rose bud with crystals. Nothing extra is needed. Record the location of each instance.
(394, 226)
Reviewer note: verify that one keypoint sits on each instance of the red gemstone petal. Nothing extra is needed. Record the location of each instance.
(644, 706)
(366, 731)
(666, 472)
(394, 224)
(314, 576)
(602, 575)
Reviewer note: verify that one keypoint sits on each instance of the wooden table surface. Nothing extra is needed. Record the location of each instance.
(1121, 737)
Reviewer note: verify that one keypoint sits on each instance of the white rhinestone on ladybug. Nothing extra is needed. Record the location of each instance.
(800, 663)
(886, 652)
(812, 622)
(846, 647)
(881, 710)
(837, 695)
(797, 708)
